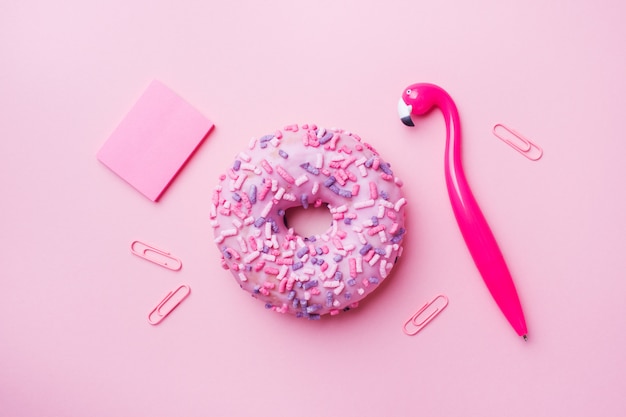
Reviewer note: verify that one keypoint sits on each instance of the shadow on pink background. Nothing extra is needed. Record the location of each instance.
(74, 336)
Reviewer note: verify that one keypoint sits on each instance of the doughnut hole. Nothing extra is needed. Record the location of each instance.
(308, 222)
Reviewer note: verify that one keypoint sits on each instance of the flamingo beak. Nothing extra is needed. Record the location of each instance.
(404, 111)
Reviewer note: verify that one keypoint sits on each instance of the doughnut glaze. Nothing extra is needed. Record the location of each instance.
(307, 166)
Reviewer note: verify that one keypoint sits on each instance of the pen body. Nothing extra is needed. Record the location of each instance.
(474, 228)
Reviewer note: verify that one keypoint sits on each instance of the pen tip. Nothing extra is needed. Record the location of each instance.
(525, 338)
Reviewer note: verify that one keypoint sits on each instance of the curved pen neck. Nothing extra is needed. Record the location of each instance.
(455, 177)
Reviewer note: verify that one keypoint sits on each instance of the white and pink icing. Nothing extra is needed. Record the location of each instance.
(309, 276)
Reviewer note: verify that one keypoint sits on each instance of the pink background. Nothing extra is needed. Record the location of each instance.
(74, 339)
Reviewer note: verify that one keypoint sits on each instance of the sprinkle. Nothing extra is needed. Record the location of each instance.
(251, 257)
(319, 160)
(333, 141)
(399, 204)
(302, 251)
(301, 180)
(384, 195)
(239, 181)
(244, 157)
(310, 284)
(372, 231)
(237, 223)
(312, 309)
(267, 209)
(310, 168)
(363, 204)
(316, 187)
(228, 232)
(252, 194)
(359, 264)
(236, 165)
(251, 167)
(373, 280)
(297, 265)
(352, 264)
(328, 136)
(341, 177)
(283, 272)
(279, 194)
(268, 257)
(291, 128)
(331, 270)
(252, 143)
(329, 181)
(284, 174)
(383, 269)
(266, 166)
(283, 154)
(374, 259)
(260, 221)
(270, 270)
(373, 190)
(345, 193)
(345, 164)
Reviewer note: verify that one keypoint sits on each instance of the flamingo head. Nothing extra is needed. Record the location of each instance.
(416, 99)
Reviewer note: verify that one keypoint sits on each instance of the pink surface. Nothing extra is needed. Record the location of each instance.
(74, 338)
(154, 140)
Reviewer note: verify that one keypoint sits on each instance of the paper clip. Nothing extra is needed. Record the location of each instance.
(518, 142)
(425, 315)
(171, 301)
(157, 256)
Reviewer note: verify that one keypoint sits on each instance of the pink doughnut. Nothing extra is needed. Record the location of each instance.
(309, 166)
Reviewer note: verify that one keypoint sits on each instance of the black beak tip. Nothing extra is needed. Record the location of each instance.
(407, 121)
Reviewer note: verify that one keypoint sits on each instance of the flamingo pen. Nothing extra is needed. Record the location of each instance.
(419, 99)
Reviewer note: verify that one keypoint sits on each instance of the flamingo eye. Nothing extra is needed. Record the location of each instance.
(408, 92)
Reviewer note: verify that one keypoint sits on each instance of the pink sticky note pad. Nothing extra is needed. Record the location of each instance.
(154, 140)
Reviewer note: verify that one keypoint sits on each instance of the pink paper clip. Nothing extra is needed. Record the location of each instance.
(425, 315)
(168, 304)
(154, 255)
(518, 142)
